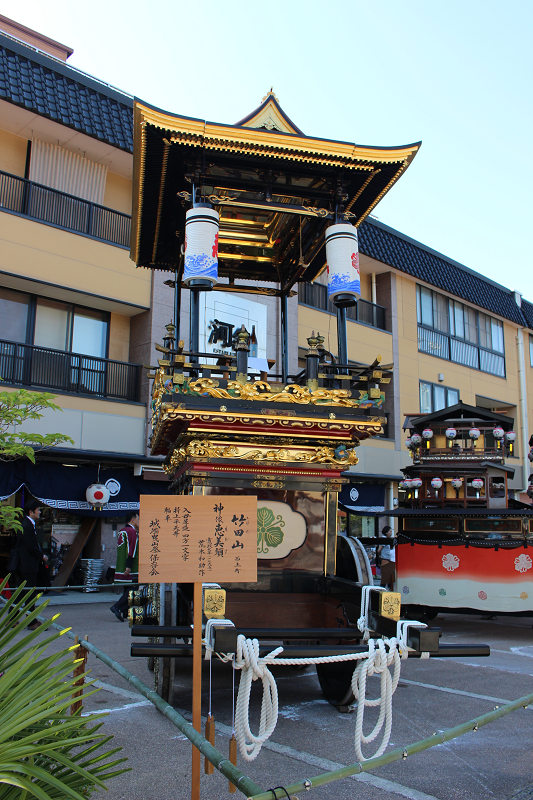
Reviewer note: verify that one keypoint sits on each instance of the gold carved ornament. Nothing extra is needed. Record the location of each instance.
(260, 390)
(204, 449)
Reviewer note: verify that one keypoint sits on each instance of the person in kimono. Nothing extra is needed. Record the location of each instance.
(127, 568)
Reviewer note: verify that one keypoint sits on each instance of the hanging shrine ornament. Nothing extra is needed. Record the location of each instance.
(427, 433)
(416, 440)
(342, 256)
(474, 433)
(97, 495)
(436, 483)
(498, 432)
(201, 245)
(451, 433)
(408, 442)
(510, 436)
(457, 483)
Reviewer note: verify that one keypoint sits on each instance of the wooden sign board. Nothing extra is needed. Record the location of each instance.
(190, 539)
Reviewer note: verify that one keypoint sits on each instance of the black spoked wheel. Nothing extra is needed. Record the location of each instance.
(336, 682)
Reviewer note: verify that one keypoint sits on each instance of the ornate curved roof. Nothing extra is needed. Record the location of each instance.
(276, 189)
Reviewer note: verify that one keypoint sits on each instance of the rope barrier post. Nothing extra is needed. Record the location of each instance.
(196, 686)
(79, 672)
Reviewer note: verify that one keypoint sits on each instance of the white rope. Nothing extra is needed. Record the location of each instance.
(209, 637)
(374, 661)
(377, 663)
(362, 622)
(402, 628)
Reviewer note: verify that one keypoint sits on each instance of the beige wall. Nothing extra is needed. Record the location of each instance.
(117, 193)
(43, 253)
(119, 337)
(366, 287)
(95, 424)
(364, 342)
(13, 151)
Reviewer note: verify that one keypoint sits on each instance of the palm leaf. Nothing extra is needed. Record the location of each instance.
(44, 752)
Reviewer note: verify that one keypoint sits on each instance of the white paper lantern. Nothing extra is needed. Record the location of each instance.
(416, 483)
(416, 440)
(457, 483)
(477, 483)
(498, 432)
(342, 255)
(451, 433)
(408, 484)
(474, 433)
(402, 485)
(97, 495)
(510, 436)
(436, 483)
(427, 433)
(201, 245)
(408, 442)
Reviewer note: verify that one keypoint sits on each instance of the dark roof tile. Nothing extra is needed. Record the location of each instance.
(527, 311)
(55, 90)
(391, 247)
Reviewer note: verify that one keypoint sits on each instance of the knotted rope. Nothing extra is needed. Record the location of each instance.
(375, 661)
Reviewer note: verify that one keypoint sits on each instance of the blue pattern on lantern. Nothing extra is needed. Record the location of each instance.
(343, 283)
(200, 265)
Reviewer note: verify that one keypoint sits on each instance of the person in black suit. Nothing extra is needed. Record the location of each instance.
(30, 554)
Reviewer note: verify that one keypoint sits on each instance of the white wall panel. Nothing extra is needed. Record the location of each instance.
(68, 172)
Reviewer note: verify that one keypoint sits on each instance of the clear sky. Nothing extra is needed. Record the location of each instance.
(456, 75)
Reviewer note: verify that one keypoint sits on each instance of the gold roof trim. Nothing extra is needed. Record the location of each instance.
(217, 136)
(252, 141)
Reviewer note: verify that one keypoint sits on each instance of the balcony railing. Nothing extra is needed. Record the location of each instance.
(64, 210)
(470, 355)
(316, 295)
(28, 365)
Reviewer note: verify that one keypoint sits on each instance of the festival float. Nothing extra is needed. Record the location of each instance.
(253, 209)
(463, 545)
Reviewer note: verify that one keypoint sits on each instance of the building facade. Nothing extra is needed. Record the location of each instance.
(75, 316)
(79, 320)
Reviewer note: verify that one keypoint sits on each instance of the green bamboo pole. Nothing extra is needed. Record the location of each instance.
(401, 752)
(223, 764)
(247, 786)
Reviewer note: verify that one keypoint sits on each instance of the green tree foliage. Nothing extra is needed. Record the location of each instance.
(17, 408)
(44, 752)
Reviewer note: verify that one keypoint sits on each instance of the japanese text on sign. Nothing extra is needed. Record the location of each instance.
(198, 538)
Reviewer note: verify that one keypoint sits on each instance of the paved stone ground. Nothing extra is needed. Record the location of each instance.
(312, 737)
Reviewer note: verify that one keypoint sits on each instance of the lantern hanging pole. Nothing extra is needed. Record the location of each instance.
(342, 337)
(284, 338)
(194, 325)
(177, 304)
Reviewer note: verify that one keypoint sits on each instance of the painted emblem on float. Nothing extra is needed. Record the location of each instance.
(280, 530)
(523, 563)
(450, 562)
